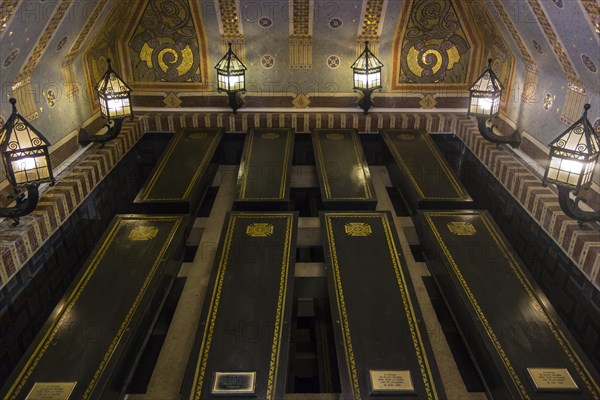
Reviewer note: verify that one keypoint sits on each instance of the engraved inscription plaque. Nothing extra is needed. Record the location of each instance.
(51, 391)
(238, 383)
(390, 382)
(552, 379)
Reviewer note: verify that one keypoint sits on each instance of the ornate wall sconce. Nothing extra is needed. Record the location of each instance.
(484, 103)
(231, 78)
(26, 161)
(115, 106)
(573, 157)
(367, 76)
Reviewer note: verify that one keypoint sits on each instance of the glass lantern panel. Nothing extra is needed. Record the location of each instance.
(366, 81)
(30, 169)
(118, 108)
(484, 105)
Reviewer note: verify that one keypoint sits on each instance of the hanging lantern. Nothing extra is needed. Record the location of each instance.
(573, 155)
(231, 73)
(24, 151)
(367, 76)
(114, 95)
(485, 94)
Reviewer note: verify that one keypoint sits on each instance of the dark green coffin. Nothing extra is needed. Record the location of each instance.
(264, 176)
(246, 318)
(505, 320)
(183, 174)
(344, 176)
(91, 343)
(380, 327)
(420, 172)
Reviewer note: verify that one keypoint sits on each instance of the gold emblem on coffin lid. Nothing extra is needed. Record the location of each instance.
(334, 136)
(143, 233)
(461, 228)
(270, 135)
(259, 229)
(198, 136)
(405, 136)
(358, 229)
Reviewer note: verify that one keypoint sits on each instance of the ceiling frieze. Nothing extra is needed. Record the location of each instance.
(372, 17)
(301, 31)
(230, 28)
(556, 44)
(7, 10)
(44, 39)
(592, 7)
(70, 57)
(515, 35)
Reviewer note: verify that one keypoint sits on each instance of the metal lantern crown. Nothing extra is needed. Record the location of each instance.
(573, 155)
(115, 95)
(367, 71)
(485, 94)
(231, 73)
(24, 152)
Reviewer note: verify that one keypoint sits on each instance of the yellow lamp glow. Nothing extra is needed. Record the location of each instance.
(485, 94)
(573, 155)
(114, 95)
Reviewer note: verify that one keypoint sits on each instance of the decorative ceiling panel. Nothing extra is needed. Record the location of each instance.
(167, 44)
(434, 43)
(514, 34)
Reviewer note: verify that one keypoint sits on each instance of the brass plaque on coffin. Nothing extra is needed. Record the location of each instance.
(234, 383)
(391, 382)
(552, 379)
(51, 391)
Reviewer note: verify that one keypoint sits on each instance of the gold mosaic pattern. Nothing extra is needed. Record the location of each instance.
(300, 42)
(372, 19)
(560, 52)
(44, 39)
(84, 32)
(229, 18)
(7, 9)
(593, 9)
(513, 32)
(301, 17)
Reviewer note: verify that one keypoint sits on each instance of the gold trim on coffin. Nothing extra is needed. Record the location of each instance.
(51, 332)
(435, 152)
(561, 339)
(167, 155)
(415, 334)
(207, 335)
(325, 179)
(284, 169)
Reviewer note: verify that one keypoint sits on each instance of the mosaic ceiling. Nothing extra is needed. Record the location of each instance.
(298, 52)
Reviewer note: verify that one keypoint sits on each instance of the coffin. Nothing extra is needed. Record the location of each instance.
(381, 342)
(92, 341)
(420, 172)
(344, 177)
(264, 177)
(241, 346)
(520, 346)
(183, 174)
